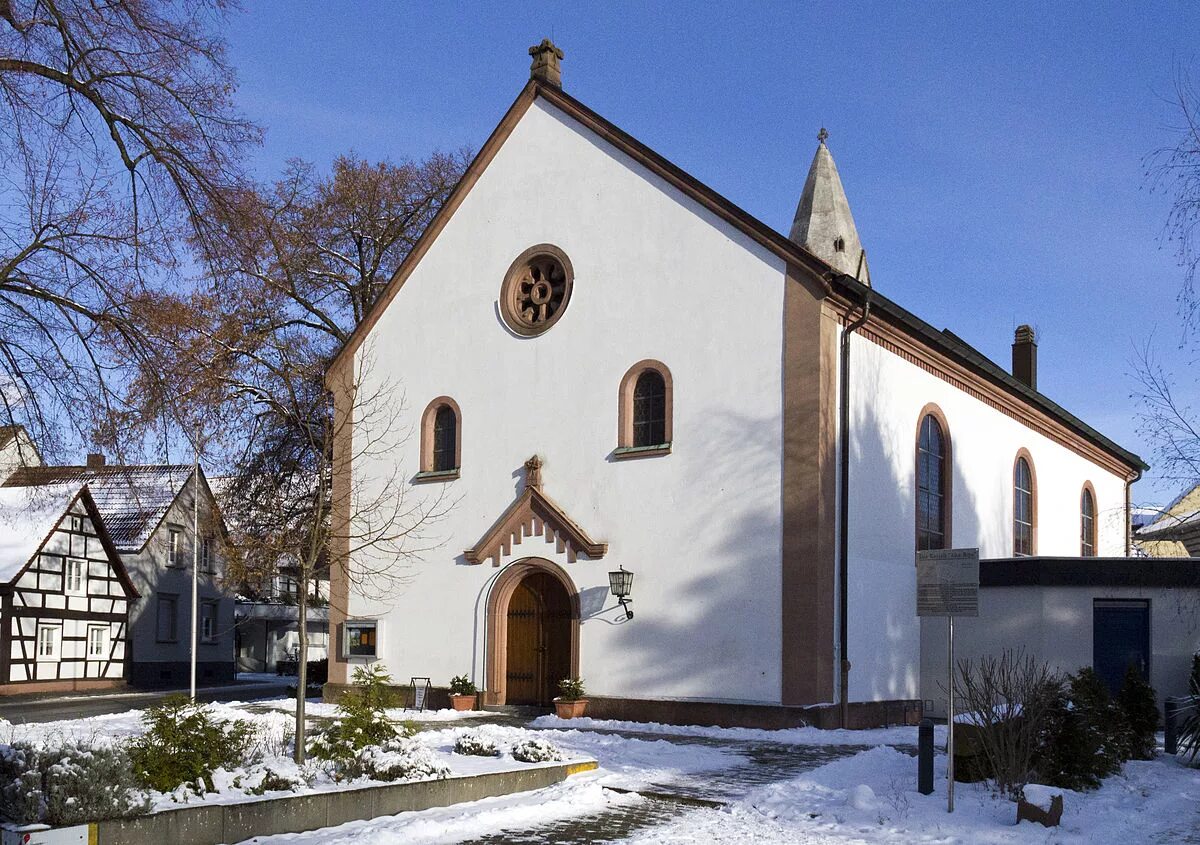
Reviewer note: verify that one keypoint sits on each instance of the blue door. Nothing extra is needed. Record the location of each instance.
(1120, 639)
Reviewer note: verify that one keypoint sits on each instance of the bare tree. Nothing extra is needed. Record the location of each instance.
(1007, 699)
(118, 140)
(299, 266)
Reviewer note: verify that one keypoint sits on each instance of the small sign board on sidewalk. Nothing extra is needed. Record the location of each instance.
(948, 582)
(420, 693)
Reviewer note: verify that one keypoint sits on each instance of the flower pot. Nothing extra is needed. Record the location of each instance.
(462, 702)
(570, 709)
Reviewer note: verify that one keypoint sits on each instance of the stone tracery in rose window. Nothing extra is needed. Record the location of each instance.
(536, 290)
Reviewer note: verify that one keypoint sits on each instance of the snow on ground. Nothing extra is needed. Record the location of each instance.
(870, 798)
(272, 731)
(581, 795)
(321, 709)
(788, 736)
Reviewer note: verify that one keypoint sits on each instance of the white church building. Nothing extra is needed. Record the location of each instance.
(606, 365)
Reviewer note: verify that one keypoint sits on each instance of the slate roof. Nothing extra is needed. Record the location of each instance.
(132, 500)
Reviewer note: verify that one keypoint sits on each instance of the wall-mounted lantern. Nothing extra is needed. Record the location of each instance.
(621, 584)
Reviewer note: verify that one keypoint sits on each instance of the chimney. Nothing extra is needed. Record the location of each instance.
(95, 460)
(1024, 356)
(545, 67)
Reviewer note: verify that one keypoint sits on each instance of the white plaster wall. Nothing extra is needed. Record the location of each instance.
(1054, 624)
(887, 395)
(655, 277)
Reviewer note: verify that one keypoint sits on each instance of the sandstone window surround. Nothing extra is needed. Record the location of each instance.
(645, 408)
(1087, 521)
(536, 290)
(441, 441)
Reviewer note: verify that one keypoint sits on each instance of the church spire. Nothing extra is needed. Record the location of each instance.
(824, 225)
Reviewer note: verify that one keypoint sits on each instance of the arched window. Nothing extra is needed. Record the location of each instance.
(1087, 522)
(649, 409)
(445, 439)
(933, 465)
(645, 406)
(1024, 508)
(441, 441)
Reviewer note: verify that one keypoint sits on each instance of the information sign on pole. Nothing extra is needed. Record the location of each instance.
(948, 585)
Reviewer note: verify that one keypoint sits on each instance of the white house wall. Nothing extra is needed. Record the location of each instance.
(1055, 625)
(656, 277)
(887, 396)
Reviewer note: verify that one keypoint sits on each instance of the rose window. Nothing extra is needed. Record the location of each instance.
(536, 290)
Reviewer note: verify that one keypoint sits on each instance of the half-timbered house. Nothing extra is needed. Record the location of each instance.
(148, 512)
(64, 593)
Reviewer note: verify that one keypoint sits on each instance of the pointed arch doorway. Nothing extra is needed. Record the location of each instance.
(533, 627)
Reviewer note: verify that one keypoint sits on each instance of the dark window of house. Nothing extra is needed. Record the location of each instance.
(1022, 509)
(931, 486)
(168, 619)
(1087, 524)
(650, 409)
(208, 621)
(445, 435)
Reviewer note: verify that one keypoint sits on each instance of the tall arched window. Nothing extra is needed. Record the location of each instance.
(933, 464)
(650, 409)
(1024, 508)
(1087, 522)
(445, 439)
(441, 441)
(644, 411)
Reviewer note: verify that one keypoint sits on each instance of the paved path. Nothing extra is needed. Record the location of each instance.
(760, 763)
(52, 708)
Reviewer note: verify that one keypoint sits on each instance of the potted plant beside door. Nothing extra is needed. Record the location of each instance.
(570, 701)
(462, 693)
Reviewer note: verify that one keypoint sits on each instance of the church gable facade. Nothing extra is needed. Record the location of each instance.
(676, 369)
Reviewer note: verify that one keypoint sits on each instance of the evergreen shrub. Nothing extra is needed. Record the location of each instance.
(69, 784)
(1137, 701)
(184, 744)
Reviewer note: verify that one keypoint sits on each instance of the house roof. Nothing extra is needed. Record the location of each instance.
(28, 516)
(132, 500)
(7, 433)
(831, 279)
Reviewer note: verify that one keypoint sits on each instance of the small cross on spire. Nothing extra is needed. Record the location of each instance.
(822, 135)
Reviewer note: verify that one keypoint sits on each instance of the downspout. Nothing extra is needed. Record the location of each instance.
(1129, 482)
(844, 507)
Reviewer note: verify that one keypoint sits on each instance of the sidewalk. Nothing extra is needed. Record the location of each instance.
(50, 707)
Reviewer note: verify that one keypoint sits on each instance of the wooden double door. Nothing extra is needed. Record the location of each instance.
(539, 640)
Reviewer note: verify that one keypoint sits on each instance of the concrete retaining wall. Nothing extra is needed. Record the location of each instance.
(216, 823)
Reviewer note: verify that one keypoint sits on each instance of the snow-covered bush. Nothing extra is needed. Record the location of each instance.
(537, 751)
(69, 784)
(475, 745)
(363, 720)
(184, 744)
(261, 779)
(399, 759)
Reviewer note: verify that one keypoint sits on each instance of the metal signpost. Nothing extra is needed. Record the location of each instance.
(948, 585)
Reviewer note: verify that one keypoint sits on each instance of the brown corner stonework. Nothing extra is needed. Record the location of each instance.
(809, 491)
(340, 381)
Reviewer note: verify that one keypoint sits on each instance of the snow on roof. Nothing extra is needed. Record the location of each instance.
(28, 515)
(132, 500)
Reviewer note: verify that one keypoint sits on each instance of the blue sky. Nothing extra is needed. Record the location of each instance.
(994, 156)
